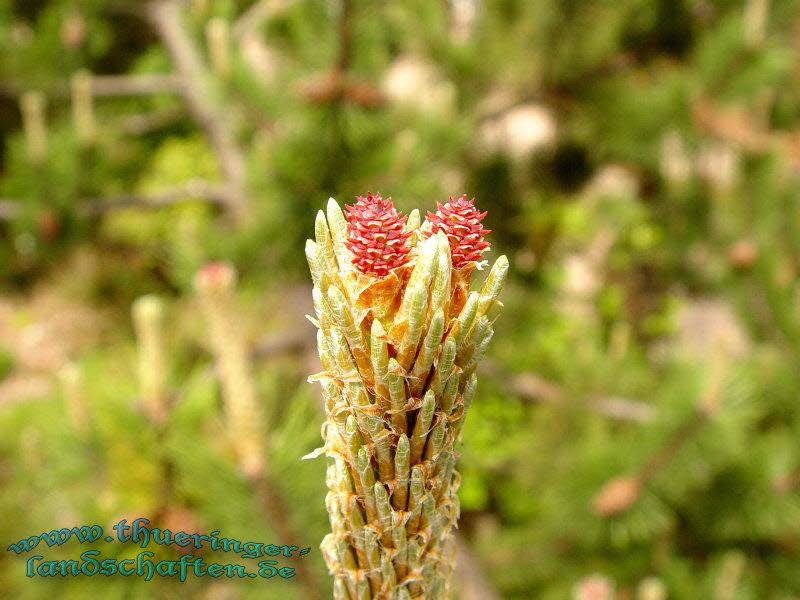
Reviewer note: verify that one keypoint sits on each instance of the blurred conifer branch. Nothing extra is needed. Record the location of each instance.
(244, 414)
(201, 96)
(619, 494)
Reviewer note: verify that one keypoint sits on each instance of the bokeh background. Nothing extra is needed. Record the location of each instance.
(636, 429)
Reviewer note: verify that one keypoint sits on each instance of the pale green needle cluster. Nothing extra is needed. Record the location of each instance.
(148, 321)
(399, 355)
(216, 285)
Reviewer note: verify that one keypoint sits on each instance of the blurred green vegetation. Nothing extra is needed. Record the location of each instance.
(638, 417)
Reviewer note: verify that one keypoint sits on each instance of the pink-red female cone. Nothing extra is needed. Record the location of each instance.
(461, 222)
(376, 235)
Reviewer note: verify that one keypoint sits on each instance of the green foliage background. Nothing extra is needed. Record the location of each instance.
(647, 198)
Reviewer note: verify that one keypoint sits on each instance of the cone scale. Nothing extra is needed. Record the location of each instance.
(400, 335)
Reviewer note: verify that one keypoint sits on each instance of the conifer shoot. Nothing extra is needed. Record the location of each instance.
(400, 335)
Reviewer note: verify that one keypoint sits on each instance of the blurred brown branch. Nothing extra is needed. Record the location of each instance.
(108, 85)
(201, 100)
(134, 85)
(139, 124)
(533, 388)
(192, 191)
(188, 192)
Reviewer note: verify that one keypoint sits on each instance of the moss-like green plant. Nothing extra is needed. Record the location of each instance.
(400, 335)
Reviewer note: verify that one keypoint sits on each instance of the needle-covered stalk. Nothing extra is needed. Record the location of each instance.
(400, 334)
(148, 321)
(216, 284)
